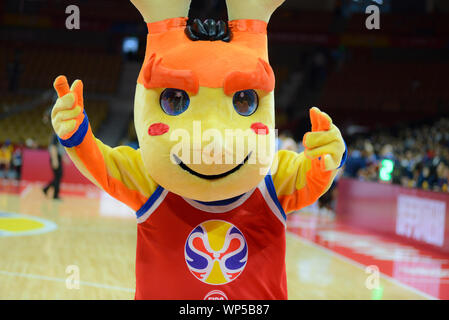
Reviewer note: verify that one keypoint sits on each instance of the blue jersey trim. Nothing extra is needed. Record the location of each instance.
(272, 191)
(345, 156)
(78, 137)
(221, 202)
(151, 200)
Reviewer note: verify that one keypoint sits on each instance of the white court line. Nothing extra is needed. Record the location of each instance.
(84, 283)
(359, 265)
(26, 191)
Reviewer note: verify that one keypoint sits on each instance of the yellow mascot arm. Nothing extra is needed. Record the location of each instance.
(118, 171)
(300, 179)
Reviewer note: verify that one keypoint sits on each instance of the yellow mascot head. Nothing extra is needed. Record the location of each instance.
(204, 103)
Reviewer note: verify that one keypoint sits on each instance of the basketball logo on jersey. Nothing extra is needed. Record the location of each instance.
(216, 252)
(216, 295)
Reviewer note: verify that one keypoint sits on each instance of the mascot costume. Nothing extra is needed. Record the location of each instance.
(211, 223)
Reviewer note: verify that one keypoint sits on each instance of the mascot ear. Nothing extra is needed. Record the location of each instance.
(252, 9)
(248, 21)
(158, 10)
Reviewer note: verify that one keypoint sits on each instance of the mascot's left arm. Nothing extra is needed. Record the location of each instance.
(300, 179)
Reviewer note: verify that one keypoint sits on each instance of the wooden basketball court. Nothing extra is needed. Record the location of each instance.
(45, 243)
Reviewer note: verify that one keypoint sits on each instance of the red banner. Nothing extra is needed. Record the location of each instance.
(419, 216)
(36, 167)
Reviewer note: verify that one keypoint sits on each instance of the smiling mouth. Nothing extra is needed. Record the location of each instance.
(214, 176)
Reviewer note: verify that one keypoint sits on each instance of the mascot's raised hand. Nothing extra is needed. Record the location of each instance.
(205, 229)
(68, 113)
(325, 142)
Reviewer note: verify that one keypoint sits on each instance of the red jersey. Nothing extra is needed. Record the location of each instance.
(230, 249)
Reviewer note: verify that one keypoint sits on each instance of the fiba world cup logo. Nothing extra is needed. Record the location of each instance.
(216, 252)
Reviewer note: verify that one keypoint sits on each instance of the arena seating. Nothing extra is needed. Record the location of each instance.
(9, 101)
(306, 22)
(390, 89)
(39, 67)
(29, 124)
(99, 72)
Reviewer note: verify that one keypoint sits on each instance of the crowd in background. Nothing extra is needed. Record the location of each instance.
(10, 161)
(420, 156)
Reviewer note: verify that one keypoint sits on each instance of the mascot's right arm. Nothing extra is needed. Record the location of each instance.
(119, 171)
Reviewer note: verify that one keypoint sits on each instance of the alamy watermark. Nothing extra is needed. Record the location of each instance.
(372, 22)
(372, 282)
(73, 20)
(73, 280)
(228, 147)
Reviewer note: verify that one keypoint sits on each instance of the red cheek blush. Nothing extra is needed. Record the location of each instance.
(157, 129)
(260, 128)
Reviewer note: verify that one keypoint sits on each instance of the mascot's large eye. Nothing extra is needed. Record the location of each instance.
(245, 102)
(174, 101)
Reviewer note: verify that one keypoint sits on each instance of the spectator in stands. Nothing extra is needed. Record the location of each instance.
(442, 183)
(420, 156)
(6, 157)
(354, 163)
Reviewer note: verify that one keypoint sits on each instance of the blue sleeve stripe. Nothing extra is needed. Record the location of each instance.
(345, 156)
(78, 136)
(151, 200)
(272, 191)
